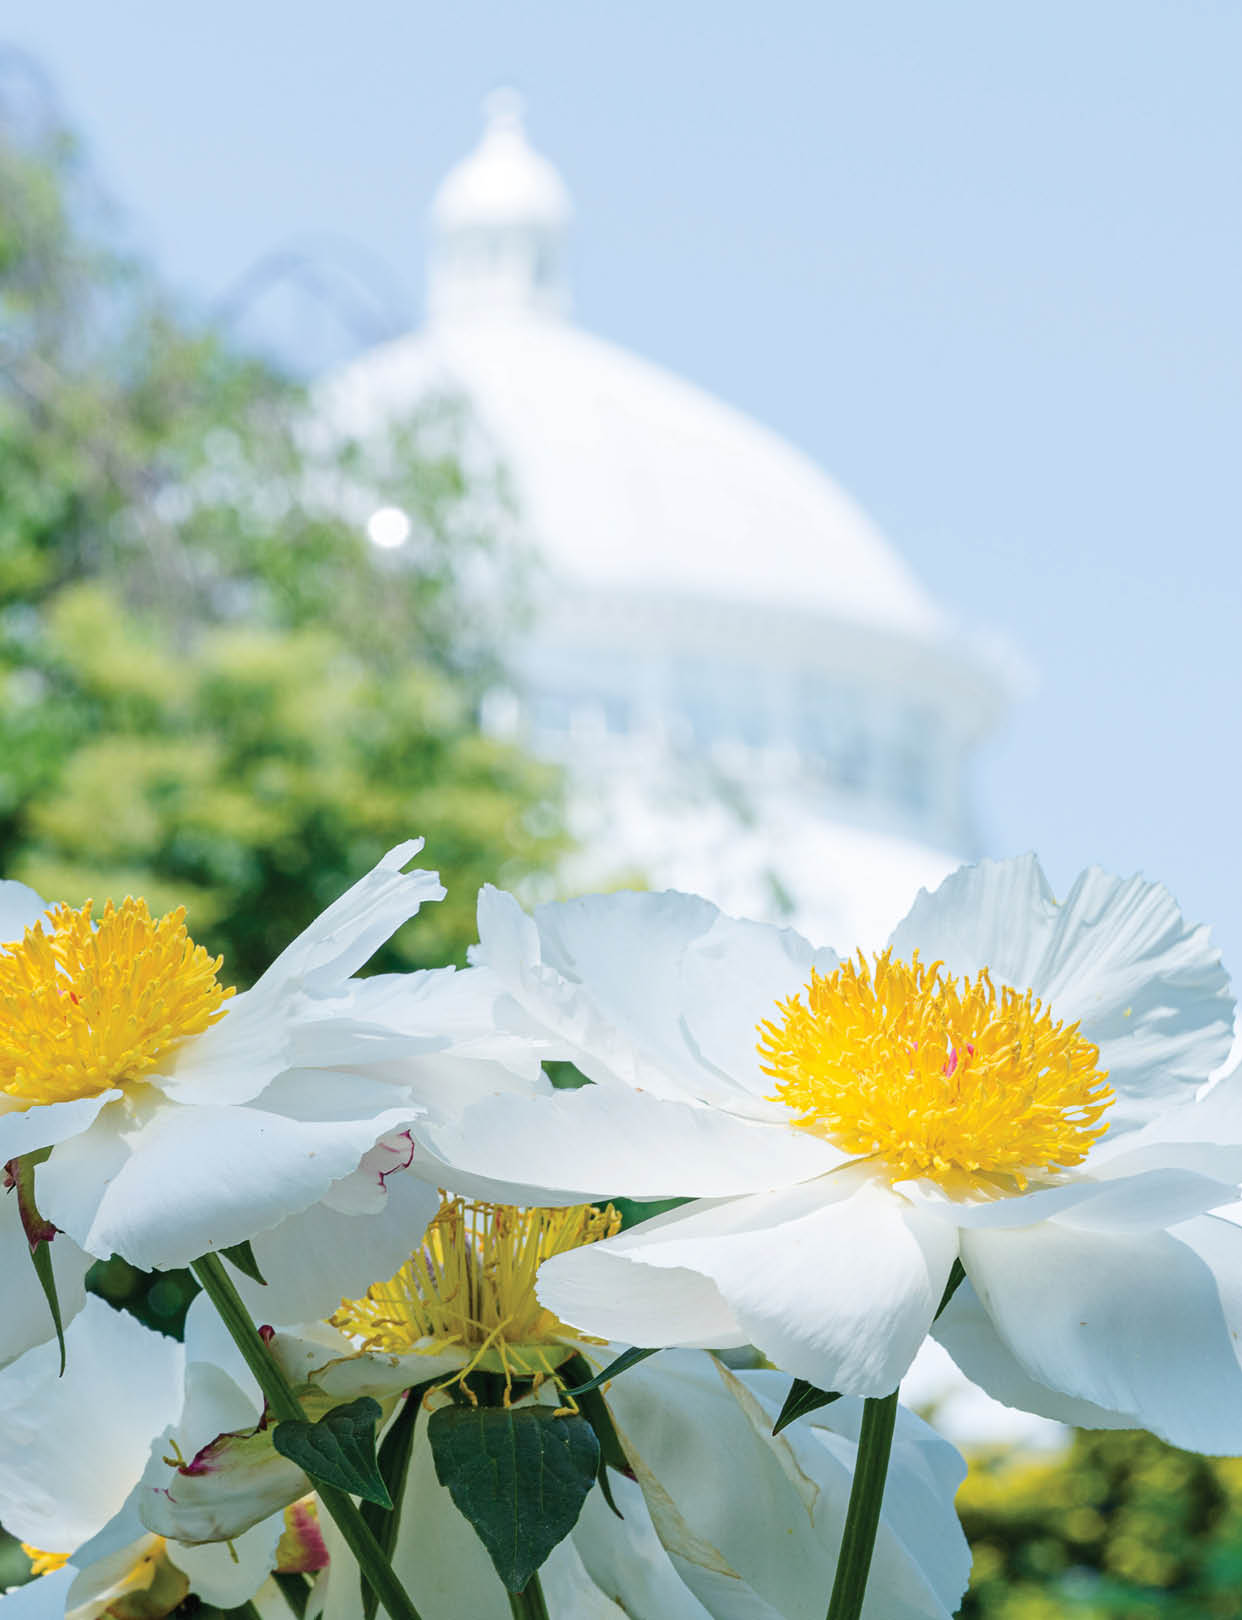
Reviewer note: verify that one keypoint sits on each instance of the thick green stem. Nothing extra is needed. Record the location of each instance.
(528, 1604)
(284, 1405)
(875, 1441)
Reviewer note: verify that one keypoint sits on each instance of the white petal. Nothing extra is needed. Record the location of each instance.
(922, 1560)
(229, 1575)
(625, 1562)
(233, 1060)
(1129, 1322)
(661, 992)
(1117, 955)
(834, 1281)
(967, 1332)
(599, 1141)
(604, 1292)
(693, 1430)
(20, 909)
(40, 1599)
(26, 1130)
(345, 936)
(191, 1179)
(1139, 1193)
(72, 1448)
(314, 1260)
(26, 1320)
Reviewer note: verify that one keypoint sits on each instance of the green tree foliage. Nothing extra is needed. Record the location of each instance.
(1123, 1528)
(213, 690)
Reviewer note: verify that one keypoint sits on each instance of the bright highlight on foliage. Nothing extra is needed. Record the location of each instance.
(90, 1004)
(473, 1284)
(938, 1078)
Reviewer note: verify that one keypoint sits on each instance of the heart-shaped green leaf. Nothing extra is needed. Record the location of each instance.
(519, 1474)
(339, 1449)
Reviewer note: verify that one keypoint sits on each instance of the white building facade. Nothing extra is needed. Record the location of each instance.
(754, 697)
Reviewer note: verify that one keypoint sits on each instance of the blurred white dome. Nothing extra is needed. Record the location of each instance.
(754, 695)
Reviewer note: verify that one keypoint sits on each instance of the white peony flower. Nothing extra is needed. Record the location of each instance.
(720, 1517)
(182, 1118)
(72, 1451)
(1014, 1084)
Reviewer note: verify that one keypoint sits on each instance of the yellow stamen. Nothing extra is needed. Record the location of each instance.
(44, 1563)
(935, 1077)
(472, 1284)
(89, 1004)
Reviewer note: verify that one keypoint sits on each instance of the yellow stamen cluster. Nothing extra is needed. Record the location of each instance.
(934, 1077)
(472, 1284)
(44, 1563)
(87, 1004)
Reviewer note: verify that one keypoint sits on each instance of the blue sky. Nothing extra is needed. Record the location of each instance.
(982, 261)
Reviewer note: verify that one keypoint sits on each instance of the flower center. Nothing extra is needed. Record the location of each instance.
(938, 1078)
(472, 1284)
(88, 1004)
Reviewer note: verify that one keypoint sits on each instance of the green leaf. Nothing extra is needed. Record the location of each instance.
(957, 1276)
(295, 1589)
(242, 1256)
(20, 1175)
(41, 1257)
(395, 1451)
(595, 1411)
(803, 1398)
(338, 1450)
(628, 1358)
(519, 1474)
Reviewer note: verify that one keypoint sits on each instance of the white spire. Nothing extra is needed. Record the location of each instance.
(498, 225)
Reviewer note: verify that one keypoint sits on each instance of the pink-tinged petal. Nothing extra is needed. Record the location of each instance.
(184, 1180)
(599, 1141)
(25, 1320)
(301, 1549)
(659, 992)
(835, 1281)
(236, 1482)
(967, 1332)
(1131, 1322)
(72, 1447)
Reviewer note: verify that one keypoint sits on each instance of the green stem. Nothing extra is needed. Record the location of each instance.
(862, 1520)
(528, 1604)
(285, 1406)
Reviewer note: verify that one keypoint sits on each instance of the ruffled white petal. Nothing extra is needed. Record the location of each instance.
(1116, 955)
(25, 1320)
(72, 1448)
(345, 936)
(660, 992)
(260, 1033)
(610, 1294)
(626, 1565)
(1132, 1322)
(600, 1140)
(184, 1180)
(835, 1281)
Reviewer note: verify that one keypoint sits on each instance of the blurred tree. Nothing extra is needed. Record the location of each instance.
(214, 690)
(1122, 1528)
